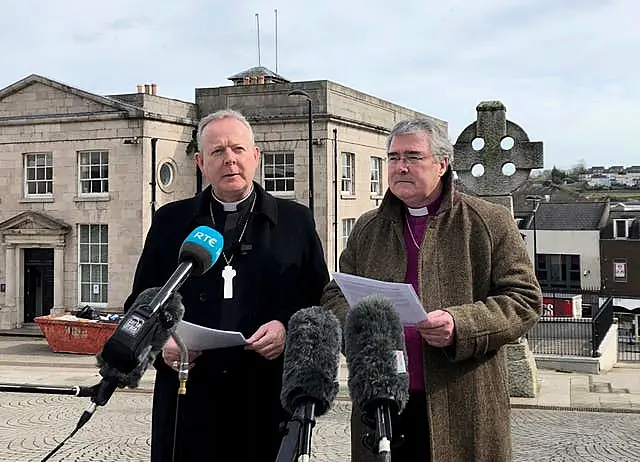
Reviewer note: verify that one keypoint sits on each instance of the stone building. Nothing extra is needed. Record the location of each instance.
(81, 175)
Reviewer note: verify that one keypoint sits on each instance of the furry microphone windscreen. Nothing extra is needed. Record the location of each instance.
(311, 360)
(175, 308)
(374, 338)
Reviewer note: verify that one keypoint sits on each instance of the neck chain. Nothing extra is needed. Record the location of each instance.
(413, 238)
(213, 220)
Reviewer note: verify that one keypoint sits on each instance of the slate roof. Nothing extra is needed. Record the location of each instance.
(542, 188)
(575, 216)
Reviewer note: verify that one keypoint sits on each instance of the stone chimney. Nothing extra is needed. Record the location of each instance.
(139, 87)
(154, 89)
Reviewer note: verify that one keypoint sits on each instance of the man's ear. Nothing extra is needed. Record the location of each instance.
(444, 163)
(197, 157)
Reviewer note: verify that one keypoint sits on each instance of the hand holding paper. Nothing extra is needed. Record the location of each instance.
(437, 329)
(200, 338)
(404, 298)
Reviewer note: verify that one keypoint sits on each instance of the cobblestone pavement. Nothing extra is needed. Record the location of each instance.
(31, 425)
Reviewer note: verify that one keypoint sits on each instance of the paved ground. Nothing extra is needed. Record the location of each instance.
(31, 425)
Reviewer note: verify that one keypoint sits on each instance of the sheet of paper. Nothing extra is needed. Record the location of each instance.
(201, 338)
(404, 298)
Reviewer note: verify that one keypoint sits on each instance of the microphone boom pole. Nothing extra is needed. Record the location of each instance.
(74, 390)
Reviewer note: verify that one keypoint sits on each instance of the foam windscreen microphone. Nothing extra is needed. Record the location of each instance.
(376, 359)
(311, 360)
(175, 310)
(310, 376)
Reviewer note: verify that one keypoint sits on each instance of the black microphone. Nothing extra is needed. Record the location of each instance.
(148, 324)
(376, 358)
(112, 377)
(309, 378)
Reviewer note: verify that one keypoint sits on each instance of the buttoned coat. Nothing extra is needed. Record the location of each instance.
(232, 406)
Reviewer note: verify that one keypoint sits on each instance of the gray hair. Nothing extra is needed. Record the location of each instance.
(222, 114)
(440, 145)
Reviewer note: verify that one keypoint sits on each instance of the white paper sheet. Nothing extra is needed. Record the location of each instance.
(404, 298)
(201, 338)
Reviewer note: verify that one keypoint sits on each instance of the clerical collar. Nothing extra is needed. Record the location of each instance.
(232, 206)
(429, 209)
(419, 212)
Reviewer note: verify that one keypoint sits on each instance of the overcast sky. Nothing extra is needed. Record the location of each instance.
(567, 70)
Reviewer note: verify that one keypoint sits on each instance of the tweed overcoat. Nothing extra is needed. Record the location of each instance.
(473, 264)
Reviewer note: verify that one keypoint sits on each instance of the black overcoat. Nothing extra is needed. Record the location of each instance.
(231, 410)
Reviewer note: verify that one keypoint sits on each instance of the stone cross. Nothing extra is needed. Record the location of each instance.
(493, 156)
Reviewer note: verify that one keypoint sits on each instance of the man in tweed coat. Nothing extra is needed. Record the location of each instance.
(468, 263)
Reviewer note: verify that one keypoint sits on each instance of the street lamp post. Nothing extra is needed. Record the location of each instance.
(310, 123)
(536, 200)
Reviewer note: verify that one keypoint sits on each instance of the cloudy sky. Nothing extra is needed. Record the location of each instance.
(567, 70)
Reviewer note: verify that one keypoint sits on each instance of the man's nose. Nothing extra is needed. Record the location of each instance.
(229, 156)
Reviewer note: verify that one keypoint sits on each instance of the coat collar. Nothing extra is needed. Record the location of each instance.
(265, 205)
(392, 208)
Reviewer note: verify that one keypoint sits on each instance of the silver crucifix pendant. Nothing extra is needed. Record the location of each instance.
(228, 274)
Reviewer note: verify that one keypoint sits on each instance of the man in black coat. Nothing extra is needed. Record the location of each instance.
(272, 265)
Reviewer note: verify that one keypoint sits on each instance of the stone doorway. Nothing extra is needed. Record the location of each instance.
(38, 283)
(33, 245)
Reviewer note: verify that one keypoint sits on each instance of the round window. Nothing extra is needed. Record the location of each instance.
(166, 174)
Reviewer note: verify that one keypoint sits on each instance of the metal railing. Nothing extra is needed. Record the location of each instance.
(561, 336)
(569, 336)
(600, 324)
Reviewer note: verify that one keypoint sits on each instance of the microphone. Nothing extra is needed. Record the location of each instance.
(309, 378)
(152, 319)
(376, 358)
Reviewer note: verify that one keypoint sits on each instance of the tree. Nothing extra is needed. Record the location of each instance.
(580, 167)
(557, 175)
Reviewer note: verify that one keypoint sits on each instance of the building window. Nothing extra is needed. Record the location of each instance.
(348, 173)
(376, 171)
(620, 270)
(93, 251)
(167, 175)
(559, 271)
(94, 172)
(38, 174)
(347, 226)
(621, 228)
(278, 172)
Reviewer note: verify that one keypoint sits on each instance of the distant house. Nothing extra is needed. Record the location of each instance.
(565, 239)
(620, 253)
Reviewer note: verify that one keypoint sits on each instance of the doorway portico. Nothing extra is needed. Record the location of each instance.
(33, 245)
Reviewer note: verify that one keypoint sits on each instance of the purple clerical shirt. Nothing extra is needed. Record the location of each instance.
(414, 229)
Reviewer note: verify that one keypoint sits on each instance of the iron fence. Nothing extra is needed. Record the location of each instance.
(566, 335)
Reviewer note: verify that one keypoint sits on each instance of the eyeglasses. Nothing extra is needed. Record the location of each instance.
(411, 157)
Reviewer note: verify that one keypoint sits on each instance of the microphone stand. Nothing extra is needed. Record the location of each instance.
(383, 433)
(183, 375)
(377, 416)
(296, 445)
(74, 390)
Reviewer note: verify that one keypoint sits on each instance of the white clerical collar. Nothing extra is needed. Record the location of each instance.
(419, 212)
(232, 206)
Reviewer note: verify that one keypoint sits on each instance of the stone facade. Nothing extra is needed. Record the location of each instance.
(280, 122)
(39, 115)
